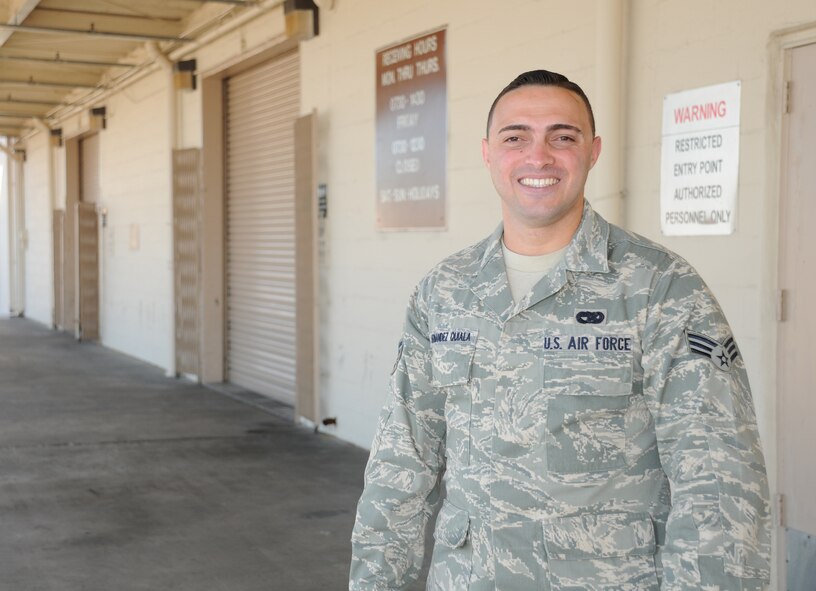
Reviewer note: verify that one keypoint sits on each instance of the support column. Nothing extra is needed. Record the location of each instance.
(608, 103)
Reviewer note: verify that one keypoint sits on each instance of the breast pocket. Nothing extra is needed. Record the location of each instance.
(589, 396)
(452, 356)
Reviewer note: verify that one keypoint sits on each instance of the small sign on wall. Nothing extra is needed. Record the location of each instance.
(700, 161)
(412, 133)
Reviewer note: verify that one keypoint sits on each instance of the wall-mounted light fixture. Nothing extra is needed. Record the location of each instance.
(184, 75)
(301, 18)
(98, 118)
(56, 138)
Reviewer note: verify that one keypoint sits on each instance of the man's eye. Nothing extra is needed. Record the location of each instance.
(511, 139)
(565, 138)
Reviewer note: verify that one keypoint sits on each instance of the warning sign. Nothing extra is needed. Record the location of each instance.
(700, 161)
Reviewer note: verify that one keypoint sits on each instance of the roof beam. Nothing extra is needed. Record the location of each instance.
(11, 100)
(44, 84)
(12, 115)
(123, 15)
(92, 32)
(235, 2)
(59, 60)
(23, 11)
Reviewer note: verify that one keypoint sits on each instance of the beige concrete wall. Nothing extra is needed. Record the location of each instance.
(136, 298)
(136, 262)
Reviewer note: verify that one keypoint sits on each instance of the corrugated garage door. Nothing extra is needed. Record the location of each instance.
(262, 105)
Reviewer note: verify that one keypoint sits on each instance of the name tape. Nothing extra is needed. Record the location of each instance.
(454, 336)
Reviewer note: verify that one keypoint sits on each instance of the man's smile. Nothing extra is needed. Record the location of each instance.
(538, 182)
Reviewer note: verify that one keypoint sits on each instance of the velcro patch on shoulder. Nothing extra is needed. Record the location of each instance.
(722, 355)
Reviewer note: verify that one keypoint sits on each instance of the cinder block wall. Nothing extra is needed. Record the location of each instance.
(137, 256)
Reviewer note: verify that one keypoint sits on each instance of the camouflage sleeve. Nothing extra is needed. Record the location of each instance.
(403, 472)
(718, 531)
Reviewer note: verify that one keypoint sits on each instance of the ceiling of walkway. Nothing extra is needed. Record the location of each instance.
(59, 55)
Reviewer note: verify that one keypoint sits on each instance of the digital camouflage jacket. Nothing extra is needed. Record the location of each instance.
(597, 435)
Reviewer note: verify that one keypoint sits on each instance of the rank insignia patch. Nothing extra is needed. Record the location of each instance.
(722, 355)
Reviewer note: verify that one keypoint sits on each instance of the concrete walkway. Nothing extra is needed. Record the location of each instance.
(116, 478)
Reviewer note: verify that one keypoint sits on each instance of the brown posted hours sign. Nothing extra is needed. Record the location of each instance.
(412, 133)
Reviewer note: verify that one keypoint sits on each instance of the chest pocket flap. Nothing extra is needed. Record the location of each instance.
(452, 356)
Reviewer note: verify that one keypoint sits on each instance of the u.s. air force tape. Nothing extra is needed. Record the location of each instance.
(722, 355)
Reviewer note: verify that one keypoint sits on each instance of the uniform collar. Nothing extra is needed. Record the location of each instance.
(587, 252)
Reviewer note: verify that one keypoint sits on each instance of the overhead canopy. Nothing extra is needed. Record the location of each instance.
(59, 55)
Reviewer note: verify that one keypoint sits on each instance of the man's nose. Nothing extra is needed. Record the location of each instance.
(540, 154)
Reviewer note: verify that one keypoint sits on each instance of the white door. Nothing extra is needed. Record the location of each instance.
(796, 358)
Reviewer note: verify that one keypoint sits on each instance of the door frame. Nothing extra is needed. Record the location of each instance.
(213, 205)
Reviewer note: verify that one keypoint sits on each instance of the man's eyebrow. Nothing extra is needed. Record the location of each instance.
(553, 127)
(514, 127)
(567, 126)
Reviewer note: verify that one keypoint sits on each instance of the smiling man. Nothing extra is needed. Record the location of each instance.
(575, 391)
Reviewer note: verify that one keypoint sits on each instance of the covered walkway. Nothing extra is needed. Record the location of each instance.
(113, 476)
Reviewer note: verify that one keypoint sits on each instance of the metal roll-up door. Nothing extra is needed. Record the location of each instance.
(262, 105)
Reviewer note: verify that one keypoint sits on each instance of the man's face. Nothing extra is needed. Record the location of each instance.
(539, 151)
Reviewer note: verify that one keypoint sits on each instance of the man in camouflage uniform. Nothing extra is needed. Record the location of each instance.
(595, 432)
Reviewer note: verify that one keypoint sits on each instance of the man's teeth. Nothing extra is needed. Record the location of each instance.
(538, 182)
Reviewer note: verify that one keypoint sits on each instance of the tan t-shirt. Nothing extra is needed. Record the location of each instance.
(524, 271)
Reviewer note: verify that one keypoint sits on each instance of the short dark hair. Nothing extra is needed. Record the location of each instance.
(542, 78)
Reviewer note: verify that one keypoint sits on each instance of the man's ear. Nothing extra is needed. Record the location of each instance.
(485, 152)
(596, 149)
